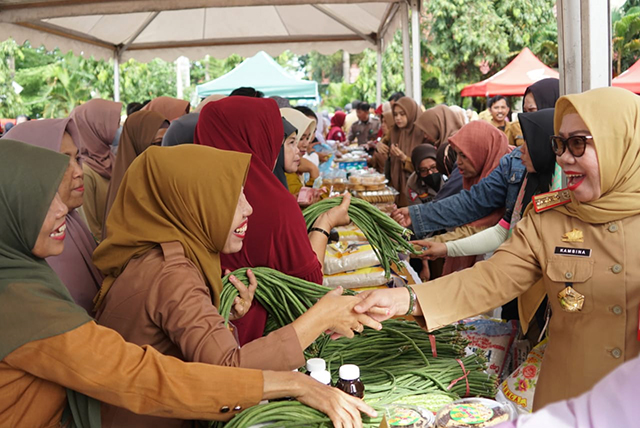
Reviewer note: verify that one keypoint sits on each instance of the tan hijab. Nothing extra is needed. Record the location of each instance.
(171, 108)
(184, 193)
(613, 117)
(97, 121)
(300, 121)
(137, 135)
(210, 98)
(439, 123)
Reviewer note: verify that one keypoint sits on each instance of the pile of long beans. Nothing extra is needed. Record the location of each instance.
(387, 238)
(284, 297)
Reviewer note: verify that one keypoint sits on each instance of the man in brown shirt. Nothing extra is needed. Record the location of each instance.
(366, 128)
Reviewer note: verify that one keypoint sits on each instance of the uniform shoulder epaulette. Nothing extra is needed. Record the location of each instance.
(546, 201)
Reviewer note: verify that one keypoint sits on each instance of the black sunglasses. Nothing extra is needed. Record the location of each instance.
(575, 144)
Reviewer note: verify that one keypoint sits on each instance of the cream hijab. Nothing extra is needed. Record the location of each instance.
(300, 121)
(613, 117)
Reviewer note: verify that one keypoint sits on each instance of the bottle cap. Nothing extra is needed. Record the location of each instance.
(316, 364)
(322, 376)
(349, 372)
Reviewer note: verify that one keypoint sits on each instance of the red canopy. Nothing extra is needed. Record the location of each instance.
(630, 79)
(523, 71)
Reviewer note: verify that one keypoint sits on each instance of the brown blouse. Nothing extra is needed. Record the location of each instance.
(161, 299)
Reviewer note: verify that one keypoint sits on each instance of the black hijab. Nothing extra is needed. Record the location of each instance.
(546, 92)
(446, 159)
(420, 153)
(537, 129)
(279, 171)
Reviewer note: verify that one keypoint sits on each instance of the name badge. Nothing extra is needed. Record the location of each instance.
(576, 252)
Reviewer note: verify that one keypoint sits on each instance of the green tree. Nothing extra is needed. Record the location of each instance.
(10, 101)
(626, 38)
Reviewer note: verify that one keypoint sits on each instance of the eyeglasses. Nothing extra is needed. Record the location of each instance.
(575, 144)
(425, 171)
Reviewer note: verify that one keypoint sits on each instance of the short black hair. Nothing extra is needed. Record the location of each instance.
(133, 107)
(396, 96)
(364, 106)
(246, 91)
(307, 112)
(495, 99)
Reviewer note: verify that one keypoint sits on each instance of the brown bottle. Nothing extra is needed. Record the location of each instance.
(349, 381)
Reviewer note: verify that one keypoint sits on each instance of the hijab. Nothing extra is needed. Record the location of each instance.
(187, 194)
(420, 153)
(546, 92)
(137, 135)
(537, 128)
(207, 100)
(406, 139)
(170, 108)
(181, 130)
(34, 304)
(278, 170)
(301, 122)
(484, 145)
(97, 121)
(73, 266)
(613, 118)
(439, 123)
(277, 236)
(338, 119)
(446, 159)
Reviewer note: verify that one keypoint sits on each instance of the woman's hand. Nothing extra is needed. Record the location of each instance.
(431, 250)
(242, 303)
(386, 303)
(335, 313)
(382, 148)
(336, 216)
(396, 152)
(401, 215)
(343, 410)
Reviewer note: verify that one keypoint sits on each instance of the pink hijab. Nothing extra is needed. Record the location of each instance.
(171, 108)
(74, 266)
(97, 122)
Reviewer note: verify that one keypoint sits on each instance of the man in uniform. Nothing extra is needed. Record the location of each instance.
(366, 128)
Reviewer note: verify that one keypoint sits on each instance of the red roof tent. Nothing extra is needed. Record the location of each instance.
(523, 71)
(630, 79)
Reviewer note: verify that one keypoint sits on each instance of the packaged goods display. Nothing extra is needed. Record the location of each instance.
(407, 416)
(474, 413)
(341, 257)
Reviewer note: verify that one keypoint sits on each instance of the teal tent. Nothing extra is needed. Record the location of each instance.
(264, 74)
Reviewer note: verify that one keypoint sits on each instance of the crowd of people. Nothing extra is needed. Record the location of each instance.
(115, 238)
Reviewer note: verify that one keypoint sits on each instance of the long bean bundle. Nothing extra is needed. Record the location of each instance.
(387, 238)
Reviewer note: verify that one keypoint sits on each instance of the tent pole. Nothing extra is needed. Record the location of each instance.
(406, 57)
(415, 45)
(379, 73)
(346, 67)
(116, 75)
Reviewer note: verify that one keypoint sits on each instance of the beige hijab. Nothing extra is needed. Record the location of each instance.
(300, 121)
(210, 98)
(439, 123)
(613, 118)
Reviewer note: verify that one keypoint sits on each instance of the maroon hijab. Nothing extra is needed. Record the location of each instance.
(277, 234)
(73, 266)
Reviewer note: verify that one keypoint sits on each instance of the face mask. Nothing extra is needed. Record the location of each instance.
(433, 181)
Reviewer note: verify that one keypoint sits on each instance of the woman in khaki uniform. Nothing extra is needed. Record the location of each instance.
(579, 248)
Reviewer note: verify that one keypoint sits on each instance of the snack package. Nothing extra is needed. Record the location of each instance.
(407, 416)
(366, 277)
(493, 336)
(350, 233)
(343, 258)
(520, 386)
(474, 413)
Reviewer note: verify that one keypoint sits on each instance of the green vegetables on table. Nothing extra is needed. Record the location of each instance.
(399, 364)
(387, 238)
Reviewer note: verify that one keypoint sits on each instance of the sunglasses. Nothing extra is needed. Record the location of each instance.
(575, 144)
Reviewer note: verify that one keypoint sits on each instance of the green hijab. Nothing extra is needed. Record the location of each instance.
(34, 304)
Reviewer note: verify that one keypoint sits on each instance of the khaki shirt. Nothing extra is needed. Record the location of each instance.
(583, 346)
(364, 131)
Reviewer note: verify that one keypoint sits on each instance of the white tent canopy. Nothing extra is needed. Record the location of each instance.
(167, 29)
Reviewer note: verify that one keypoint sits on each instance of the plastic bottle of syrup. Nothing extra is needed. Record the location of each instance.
(322, 376)
(349, 381)
(315, 364)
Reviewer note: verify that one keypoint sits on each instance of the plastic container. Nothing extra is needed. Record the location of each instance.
(322, 376)
(408, 416)
(473, 413)
(349, 381)
(315, 364)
